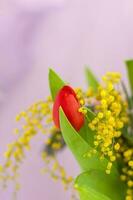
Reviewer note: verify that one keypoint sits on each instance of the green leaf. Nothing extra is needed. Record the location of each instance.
(79, 146)
(55, 83)
(85, 131)
(128, 134)
(91, 79)
(90, 114)
(129, 64)
(87, 134)
(128, 98)
(90, 194)
(96, 185)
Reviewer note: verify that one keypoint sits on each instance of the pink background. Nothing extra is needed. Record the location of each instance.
(66, 35)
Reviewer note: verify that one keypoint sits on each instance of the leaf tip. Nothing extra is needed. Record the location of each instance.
(129, 61)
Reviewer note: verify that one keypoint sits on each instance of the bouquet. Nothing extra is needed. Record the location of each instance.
(96, 125)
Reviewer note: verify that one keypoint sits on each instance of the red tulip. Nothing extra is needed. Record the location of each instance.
(66, 98)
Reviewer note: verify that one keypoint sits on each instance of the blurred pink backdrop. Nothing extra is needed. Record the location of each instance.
(66, 35)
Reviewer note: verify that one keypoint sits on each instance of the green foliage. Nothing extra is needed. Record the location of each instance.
(128, 98)
(79, 146)
(55, 83)
(93, 183)
(127, 135)
(90, 114)
(91, 79)
(129, 64)
(96, 185)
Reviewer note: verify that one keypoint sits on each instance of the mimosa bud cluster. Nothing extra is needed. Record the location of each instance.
(56, 170)
(80, 96)
(111, 115)
(55, 142)
(52, 166)
(126, 154)
(37, 118)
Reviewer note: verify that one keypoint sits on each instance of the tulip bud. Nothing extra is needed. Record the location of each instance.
(66, 98)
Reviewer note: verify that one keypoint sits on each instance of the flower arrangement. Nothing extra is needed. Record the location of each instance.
(96, 125)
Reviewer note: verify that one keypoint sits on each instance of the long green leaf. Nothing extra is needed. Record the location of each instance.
(91, 79)
(55, 83)
(129, 64)
(128, 98)
(96, 185)
(90, 194)
(87, 134)
(80, 147)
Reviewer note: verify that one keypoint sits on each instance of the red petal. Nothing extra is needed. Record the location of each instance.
(66, 98)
